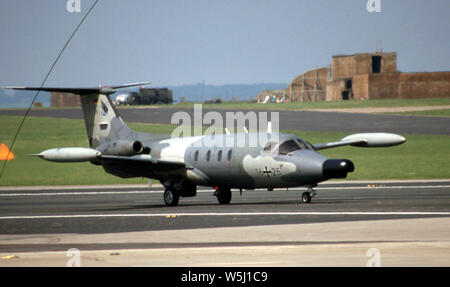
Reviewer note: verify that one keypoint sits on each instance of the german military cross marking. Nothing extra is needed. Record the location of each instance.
(267, 171)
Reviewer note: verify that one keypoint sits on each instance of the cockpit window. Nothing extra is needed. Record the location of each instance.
(288, 147)
(303, 144)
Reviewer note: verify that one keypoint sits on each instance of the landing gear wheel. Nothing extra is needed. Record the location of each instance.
(223, 195)
(171, 197)
(306, 198)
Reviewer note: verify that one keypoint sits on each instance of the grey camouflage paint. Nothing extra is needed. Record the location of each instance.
(248, 166)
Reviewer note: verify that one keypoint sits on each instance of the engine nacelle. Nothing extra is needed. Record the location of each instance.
(122, 147)
(196, 176)
(70, 154)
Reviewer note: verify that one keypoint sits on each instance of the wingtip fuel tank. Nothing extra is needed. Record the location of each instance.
(376, 139)
(69, 154)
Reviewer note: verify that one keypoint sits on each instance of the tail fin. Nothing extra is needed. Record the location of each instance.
(103, 122)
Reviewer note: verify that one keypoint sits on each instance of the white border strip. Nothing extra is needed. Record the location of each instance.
(175, 215)
(33, 193)
(77, 193)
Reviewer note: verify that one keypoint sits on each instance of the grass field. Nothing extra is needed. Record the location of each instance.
(421, 157)
(320, 105)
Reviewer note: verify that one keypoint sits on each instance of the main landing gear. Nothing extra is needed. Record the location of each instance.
(176, 189)
(171, 197)
(223, 195)
(309, 194)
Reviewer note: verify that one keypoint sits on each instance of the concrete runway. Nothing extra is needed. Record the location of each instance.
(289, 120)
(408, 222)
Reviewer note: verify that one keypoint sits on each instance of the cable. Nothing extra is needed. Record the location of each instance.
(43, 83)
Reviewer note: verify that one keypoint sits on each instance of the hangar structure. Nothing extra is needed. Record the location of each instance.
(366, 76)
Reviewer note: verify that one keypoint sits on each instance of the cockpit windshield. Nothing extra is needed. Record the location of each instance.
(303, 144)
(288, 147)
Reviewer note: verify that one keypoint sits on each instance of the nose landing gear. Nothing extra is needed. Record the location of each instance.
(308, 195)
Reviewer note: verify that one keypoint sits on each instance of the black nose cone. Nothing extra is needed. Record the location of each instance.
(337, 168)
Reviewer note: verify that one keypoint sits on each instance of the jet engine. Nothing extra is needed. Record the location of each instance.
(121, 147)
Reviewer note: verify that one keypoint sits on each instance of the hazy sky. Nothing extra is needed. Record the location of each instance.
(173, 42)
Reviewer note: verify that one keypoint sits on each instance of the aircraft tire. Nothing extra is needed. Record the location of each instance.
(306, 197)
(171, 197)
(224, 196)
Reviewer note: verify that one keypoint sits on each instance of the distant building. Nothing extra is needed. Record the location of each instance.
(64, 100)
(366, 76)
(145, 96)
(309, 87)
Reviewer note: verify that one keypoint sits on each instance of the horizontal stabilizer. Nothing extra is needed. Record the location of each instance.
(80, 91)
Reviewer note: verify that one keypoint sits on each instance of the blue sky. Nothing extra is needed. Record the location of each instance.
(175, 42)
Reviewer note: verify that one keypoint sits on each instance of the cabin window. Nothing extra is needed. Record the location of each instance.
(208, 155)
(288, 147)
(196, 155)
(219, 156)
(229, 155)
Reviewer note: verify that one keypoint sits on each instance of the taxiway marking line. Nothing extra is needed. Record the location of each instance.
(175, 215)
(201, 191)
(384, 187)
(77, 193)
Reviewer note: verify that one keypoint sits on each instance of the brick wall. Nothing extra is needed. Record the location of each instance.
(387, 84)
(409, 85)
(64, 100)
(348, 66)
(361, 87)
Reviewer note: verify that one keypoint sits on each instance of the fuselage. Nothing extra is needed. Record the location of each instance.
(244, 160)
(224, 161)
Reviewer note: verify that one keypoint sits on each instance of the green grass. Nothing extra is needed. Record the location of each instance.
(319, 105)
(304, 105)
(39, 134)
(422, 157)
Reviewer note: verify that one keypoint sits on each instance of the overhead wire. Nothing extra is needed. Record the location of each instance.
(43, 83)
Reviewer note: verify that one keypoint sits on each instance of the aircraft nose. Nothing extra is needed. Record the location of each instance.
(337, 168)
